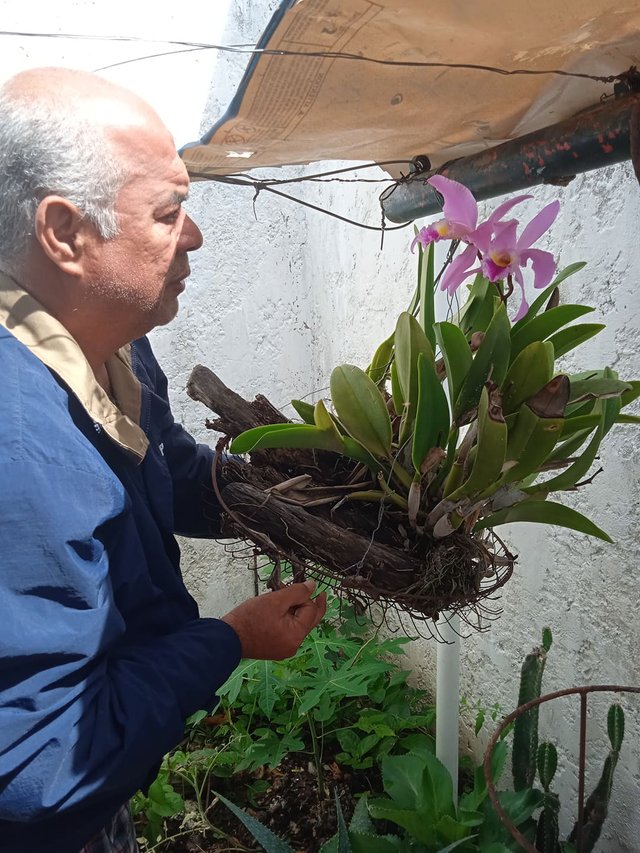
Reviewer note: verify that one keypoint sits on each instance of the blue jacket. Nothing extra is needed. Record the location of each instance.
(102, 652)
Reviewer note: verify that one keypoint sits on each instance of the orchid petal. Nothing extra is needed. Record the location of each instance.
(538, 225)
(506, 206)
(504, 238)
(458, 270)
(524, 305)
(543, 265)
(459, 204)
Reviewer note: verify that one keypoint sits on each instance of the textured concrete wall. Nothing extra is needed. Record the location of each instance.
(278, 298)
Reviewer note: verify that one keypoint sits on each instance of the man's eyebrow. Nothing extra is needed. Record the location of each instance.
(176, 197)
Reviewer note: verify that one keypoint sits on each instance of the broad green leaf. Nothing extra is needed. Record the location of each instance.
(541, 300)
(489, 363)
(263, 835)
(363, 842)
(285, 435)
(432, 413)
(381, 361)
(456, 354)
(324, 421)
(530, 371)
(360, 820)
(597, 387)
(570, 446)
(305, 410)
(475, 315)
(570, 338)
(539, 328)
(361, 409)
(410, 340)
(415, 823)
(490, 450)
(543, 512)
(628, 419)
(396, 392)
(632, 394)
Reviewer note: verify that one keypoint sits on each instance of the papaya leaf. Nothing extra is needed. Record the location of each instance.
(361, 409)
(544, 512)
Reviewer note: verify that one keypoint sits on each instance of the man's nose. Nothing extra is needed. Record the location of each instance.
(191, 236)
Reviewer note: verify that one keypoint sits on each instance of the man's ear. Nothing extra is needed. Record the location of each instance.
(62, 233)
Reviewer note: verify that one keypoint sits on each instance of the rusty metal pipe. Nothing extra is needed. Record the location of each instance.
(595, 137)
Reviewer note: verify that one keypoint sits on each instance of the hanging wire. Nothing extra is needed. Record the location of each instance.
(316, 54)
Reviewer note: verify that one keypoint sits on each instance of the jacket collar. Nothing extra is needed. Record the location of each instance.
(48, 340)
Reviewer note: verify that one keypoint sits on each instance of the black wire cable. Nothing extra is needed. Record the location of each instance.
(317, 54)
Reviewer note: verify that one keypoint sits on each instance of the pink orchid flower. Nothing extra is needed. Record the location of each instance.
(460, 214)
(505, 254)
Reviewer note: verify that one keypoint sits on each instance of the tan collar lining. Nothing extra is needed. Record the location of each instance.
(32, 325)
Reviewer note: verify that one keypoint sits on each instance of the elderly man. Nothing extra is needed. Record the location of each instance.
(103, 653)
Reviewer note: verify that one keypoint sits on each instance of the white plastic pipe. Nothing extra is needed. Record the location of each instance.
(448, 696)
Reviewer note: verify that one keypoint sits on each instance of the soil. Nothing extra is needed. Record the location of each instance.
(292, 807)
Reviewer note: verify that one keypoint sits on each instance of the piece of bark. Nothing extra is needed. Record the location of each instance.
(317, 540)
(235, 414)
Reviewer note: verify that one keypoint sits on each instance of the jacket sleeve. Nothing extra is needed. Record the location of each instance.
(196, 510)
(84, 710)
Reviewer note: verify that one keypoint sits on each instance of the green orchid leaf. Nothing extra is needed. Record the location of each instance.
(530, 443)
(569, 447)
(541, 300)
(597, 387)
(410, 341)
(491, 449)
(305, 410)
(529, 372)
(361, 409)
(570, 338)
(426, 277)
(491, 362)
(475, 315)
(456, 354)
(632, 394)
(432, 413)
(539, 328)
(396, 394)
(286, 435)
(628, 419)
(543, 512)
(380, 365)
(579, 423)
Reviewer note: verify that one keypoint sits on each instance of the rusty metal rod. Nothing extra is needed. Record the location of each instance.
(595, 137)
(583, 692)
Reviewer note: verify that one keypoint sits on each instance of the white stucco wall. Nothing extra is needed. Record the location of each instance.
(274, 304)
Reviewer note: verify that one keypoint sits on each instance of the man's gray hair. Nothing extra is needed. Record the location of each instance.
(46, 149)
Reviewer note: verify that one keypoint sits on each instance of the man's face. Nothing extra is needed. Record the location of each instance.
(138, 275)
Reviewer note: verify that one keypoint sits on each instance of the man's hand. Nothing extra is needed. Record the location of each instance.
(272, 626)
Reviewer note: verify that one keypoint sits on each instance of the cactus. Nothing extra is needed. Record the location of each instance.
(547, 831)
(597, 805)
(525, 730)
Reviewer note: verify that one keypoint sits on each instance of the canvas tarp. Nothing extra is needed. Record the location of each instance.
(292, 109)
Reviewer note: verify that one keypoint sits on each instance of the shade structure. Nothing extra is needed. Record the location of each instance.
(363, 81)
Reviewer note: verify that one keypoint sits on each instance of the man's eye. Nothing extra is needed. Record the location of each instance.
(172, 216)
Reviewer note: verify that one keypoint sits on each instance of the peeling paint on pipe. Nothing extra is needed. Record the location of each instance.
(596, 137)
